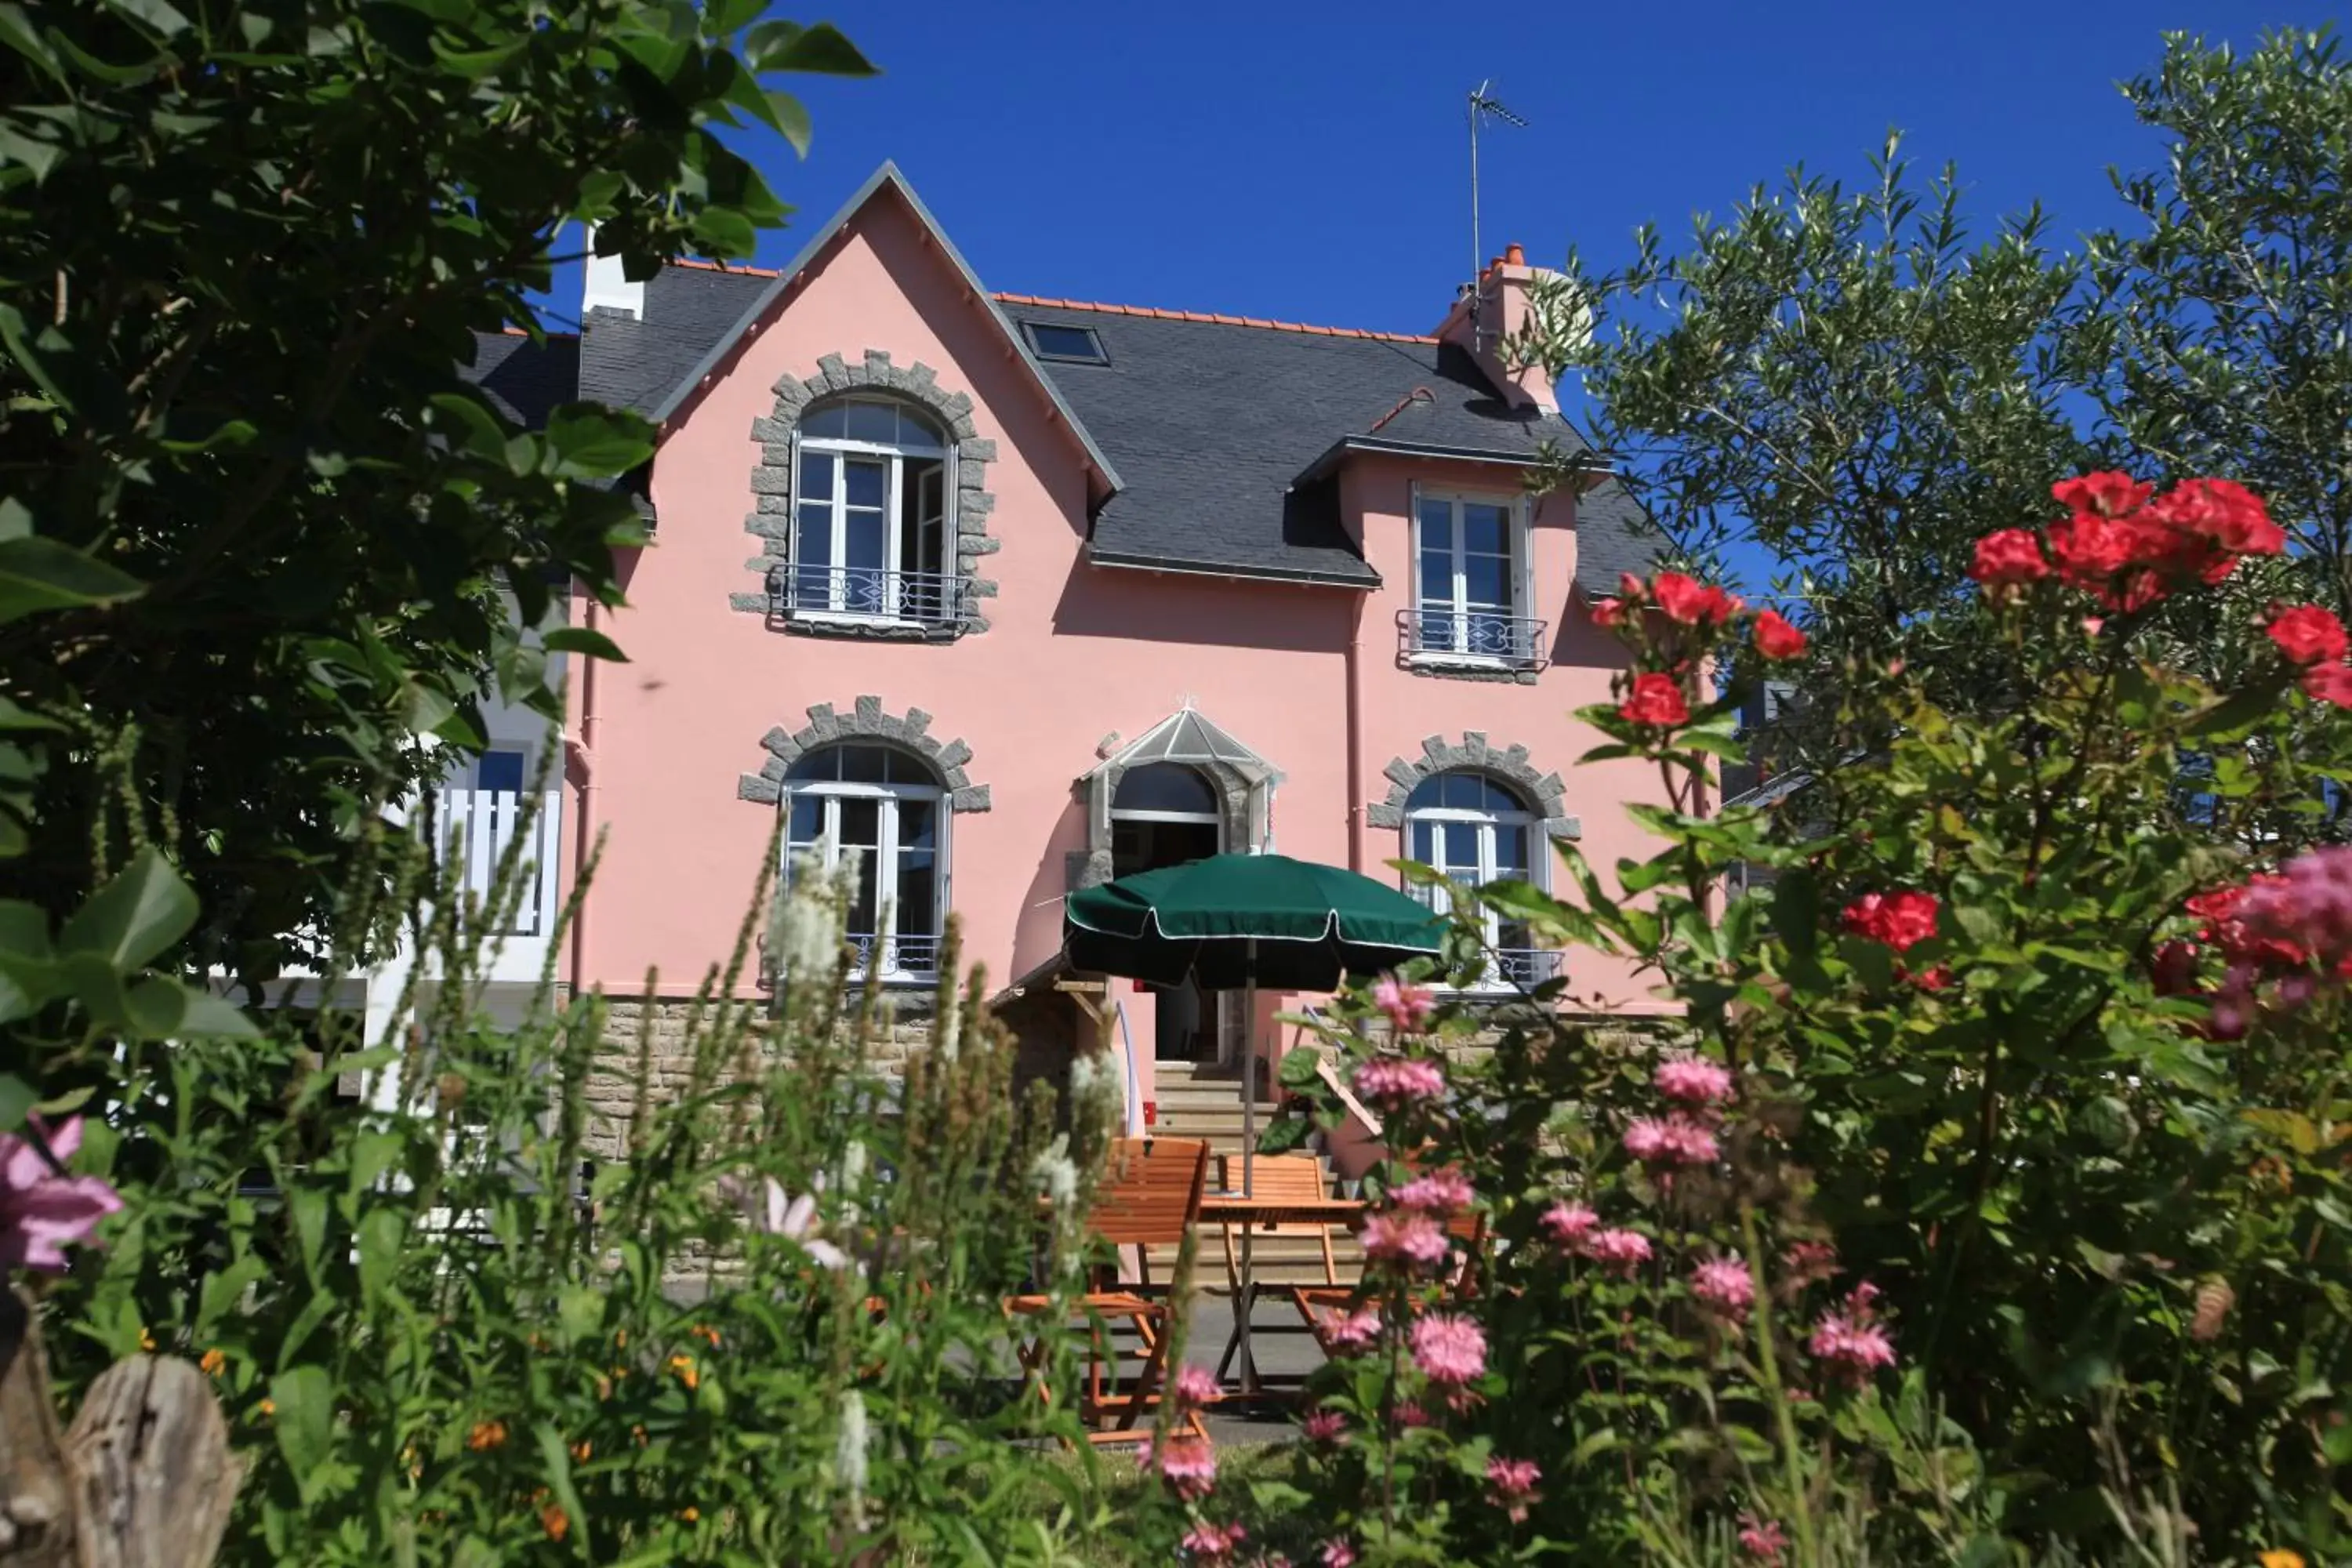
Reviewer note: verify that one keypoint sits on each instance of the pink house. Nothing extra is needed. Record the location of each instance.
(1008, 594)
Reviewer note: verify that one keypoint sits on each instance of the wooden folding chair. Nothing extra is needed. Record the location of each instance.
(1325, 1307)
(1318, 1302)
(1149, 1196)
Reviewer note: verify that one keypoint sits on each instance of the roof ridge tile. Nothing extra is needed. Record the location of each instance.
(1161, 312)
(701, 266)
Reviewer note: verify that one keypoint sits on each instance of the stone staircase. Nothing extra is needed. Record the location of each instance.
(1204, 1100)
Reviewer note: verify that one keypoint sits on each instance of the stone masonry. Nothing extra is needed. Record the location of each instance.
(866, 720)
(1546, 791)
(771, 482)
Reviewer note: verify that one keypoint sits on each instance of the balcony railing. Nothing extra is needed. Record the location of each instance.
(1470, 635)
(890, 957)
(869, 594)
(477, 826)
(1528, 966)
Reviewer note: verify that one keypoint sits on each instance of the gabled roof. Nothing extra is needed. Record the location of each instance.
(1187, 735)
(653, 363)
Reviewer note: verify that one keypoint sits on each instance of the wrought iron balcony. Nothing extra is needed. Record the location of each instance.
(1471, 635)
(870, 593)
(888, 957)
(1528, 966)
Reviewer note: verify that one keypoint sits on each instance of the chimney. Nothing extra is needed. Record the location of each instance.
(1489, 312)
(607, 287)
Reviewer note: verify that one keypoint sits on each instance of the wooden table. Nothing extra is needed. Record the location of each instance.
(1249, 1214)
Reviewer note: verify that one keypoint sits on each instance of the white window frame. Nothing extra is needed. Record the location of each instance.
(894, 456)
(1519, 523)
(886, 939)
(1488, 869)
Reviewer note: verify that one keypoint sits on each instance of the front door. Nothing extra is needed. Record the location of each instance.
(1158, 823)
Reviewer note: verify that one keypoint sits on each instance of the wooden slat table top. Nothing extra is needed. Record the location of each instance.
(1223, 1208)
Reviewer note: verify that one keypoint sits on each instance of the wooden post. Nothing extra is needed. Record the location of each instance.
(144, 1479)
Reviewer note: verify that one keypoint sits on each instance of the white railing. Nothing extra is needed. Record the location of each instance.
(477, 826)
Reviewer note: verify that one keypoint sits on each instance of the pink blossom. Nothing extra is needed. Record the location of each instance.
(1411, 1414)
(1408, 1006)
(1324, 1427)
(1439, 1192)
(1569, 1223)
(1675, 1140)
(1693, 1081)
(1623, 1250)
(1356, 1332)
(1511, 1485)
(1724, 1286)
(1849, 1341)
(1449, 1349)
(1393, 1082)
(1189, 1467)
(1338, 1554)
(1214, 1542)
(1806, 1263)
(1195, 1386)
(1761, 1539)
(40, 1211)
(2308, 905)
(1407, 1235)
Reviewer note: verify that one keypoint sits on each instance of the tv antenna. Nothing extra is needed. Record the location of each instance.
(1483, 105)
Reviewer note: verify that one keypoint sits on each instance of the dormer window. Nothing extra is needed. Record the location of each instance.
(1472, 598)
(1070, 345)
(871, 531)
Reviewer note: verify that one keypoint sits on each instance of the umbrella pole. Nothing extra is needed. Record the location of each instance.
(1249, 1156)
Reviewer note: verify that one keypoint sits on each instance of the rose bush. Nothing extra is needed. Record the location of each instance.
(1986, 1197)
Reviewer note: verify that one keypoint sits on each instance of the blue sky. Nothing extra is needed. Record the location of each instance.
(1305, 159)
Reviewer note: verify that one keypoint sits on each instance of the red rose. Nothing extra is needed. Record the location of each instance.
(1609, 612)
(1656, 699)
(1902, 921)
(2330, 683)
(2173, 971)
(2308, 634)
(2228, 513)
(2007, 558)
(2108, 495)
(1630, 587)
(1776, 639)
(1691, 602)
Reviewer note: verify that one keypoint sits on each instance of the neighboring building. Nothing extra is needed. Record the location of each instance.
(1010, 595)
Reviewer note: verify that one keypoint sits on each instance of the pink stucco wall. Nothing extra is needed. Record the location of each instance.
(1073, 652)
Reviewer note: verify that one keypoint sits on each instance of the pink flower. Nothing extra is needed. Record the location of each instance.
(1189, 1467)
(1439, 1192)
(1806, 1263)
(1674, 1141)
(1449, 1349)
(2306, 906)
(1901, 921)
(2308, 634)
(1408, 1006)
(1394, 1082)
(1693, 1081)
(1214, 1542)
(1338, 1554)
(1408, 1236)
(1776, 638)
(1324, 1427)
(1569, 1223)
(1195, 1386)
(1511, 1485)
(2006, 560)
(40, 1211)
(1411, 1414)
(1724, 1286)
(1359, 1331)
(1848, 1341)
(1761, 1539)
(1656, 699)
(1623, 1250)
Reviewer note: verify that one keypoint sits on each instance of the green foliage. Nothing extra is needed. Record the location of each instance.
(257, 532)
(2088, 1161)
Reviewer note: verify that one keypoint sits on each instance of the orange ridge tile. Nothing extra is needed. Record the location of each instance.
(1161, 314)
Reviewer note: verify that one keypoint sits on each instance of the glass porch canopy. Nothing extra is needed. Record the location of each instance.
(1189, 737)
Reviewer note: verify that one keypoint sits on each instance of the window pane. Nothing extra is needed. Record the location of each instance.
(1500, 799)
(1164, 786)
(1485, 529)
(822, 764)
(1428, 793)
(1424, 842)
(869, 482)
(1461, 841)
(914, 430)
(1487, 581)
(1437, 525)
(862, 907)
(1510, 850)
(1064, 343)
(861, 823)
(919, 531)
(816, 476)
(1465, 792)
(498, 771)
(863, 765)
(830, 421)
(918, 895)
(1436, 578)
(876, 422)
(807, 822)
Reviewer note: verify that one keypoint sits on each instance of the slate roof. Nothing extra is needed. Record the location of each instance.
(525, 380)
(1215, 428)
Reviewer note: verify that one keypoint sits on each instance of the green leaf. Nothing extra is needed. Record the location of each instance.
(1284, 1134)
(17, 1097)
(214, 1017)
(1299, 1067)
(557, 1460)
(38, 574)
(156, 1006)
(304, 1420)
(382, 1234)
(589, 443)
(580, 639)
(23, 929)
(790, 119)
(789, 47)
(155, 15)
(141, 910)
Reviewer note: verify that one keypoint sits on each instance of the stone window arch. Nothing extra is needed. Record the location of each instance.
(1544, 792)
(866, 720)
(830, 597)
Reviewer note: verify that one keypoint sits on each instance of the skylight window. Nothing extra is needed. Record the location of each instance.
(1075, 345)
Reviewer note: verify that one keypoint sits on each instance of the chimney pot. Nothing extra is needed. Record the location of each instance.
(1514, 257)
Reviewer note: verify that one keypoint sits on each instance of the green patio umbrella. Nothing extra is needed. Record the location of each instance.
(1236, 922)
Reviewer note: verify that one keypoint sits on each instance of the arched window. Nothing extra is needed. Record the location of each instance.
(870, 526)
(1163, 814)
(882, 810)
(1478, 831)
